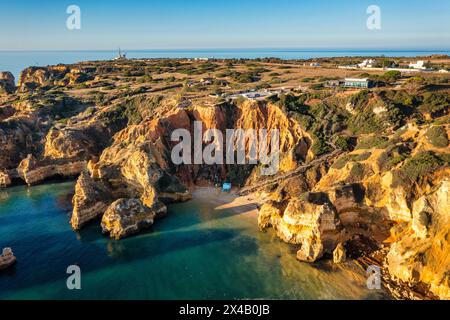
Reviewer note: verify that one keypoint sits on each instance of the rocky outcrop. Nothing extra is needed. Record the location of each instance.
(339, 254)
(124, 173)
(89, 202)
(311, 222)
(32, 171)
(7, 82)
(66, 153)
(138, 164)
(34, 77)
(125, 217)
(5, 179)
(60, 75)
(390, 205)
(420, 253)
(16, 141)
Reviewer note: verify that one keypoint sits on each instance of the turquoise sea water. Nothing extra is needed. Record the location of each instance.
(16, 61)
(197, 252)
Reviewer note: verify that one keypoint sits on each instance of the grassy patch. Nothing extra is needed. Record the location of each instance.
(343, 160)
(437, 136)
(421, 164)
(356, 173)
(372, 143)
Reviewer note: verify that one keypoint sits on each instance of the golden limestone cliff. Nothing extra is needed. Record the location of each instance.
(402, 204)
(37, 149)
(137, 171)
(61, 75)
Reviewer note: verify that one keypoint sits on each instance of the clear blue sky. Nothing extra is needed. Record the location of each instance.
(195, 24)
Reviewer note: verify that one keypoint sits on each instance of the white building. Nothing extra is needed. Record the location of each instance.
(418, 65)
(368, 63)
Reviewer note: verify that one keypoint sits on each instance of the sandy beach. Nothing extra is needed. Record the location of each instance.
(228, 200)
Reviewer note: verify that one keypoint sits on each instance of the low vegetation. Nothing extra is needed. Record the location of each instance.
(437, 136)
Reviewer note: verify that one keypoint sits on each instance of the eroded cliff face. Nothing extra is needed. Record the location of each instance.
(38, 146)
(403, 205)
(34, 77)
(137, 171)
(421, 248)
(66, 152)
(7, 82)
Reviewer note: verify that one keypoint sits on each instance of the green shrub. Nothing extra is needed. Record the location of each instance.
(372, 143)
(316, 86)
(421, 164)
(307, 79)
(435, 103)
(364, 120)
(356, 173)
(437, 136)
(391, 76)
(344, 143)
(320, 147)
(363, 156)
(393, 156)
(343, 160)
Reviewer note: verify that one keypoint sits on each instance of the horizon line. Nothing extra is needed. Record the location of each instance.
(283, 49)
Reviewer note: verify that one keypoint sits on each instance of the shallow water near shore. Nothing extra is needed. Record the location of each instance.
(200, 251)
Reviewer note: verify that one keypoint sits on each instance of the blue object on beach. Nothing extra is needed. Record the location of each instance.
(226, 187)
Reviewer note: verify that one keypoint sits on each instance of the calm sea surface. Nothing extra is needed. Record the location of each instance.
(16, 61)
(197, 252)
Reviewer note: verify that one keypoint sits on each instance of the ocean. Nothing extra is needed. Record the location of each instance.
(196, 252)
(16, 61)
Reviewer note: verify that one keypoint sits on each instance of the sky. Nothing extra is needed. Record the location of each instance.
(224, 24)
